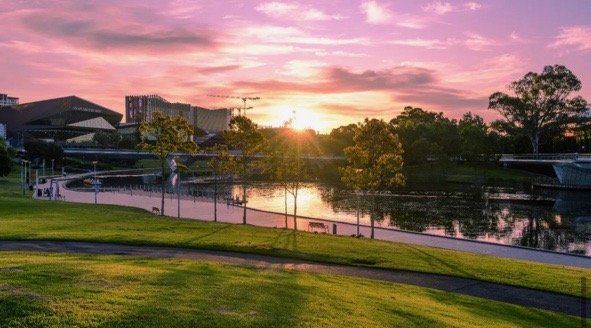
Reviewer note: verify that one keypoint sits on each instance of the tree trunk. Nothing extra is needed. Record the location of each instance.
(163, 185)
(295, 209)
(372, 216)
(285, 201)
(357, 215)
(244, 203)
(215, 199)
(535, 142)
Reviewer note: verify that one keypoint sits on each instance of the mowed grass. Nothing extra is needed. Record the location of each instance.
(59, 290)
(22, 218)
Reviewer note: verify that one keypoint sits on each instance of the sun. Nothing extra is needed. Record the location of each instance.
(301, 119)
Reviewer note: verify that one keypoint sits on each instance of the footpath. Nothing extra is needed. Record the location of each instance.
(509, 294)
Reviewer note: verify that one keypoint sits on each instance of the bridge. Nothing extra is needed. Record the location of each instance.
(544, 159)
(113, 153)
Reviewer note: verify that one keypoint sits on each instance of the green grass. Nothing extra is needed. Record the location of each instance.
(58, 290)
(26, 219)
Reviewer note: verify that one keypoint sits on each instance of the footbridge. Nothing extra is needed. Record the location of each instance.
(544, 159)
(98, 153)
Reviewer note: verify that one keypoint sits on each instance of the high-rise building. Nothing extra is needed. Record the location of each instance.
(142, 108)
(212, 120)
(6, 100)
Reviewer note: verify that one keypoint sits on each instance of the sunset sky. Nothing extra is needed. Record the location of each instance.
(334, 62)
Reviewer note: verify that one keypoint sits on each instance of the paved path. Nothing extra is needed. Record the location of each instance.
(203, 210)
(498, 292)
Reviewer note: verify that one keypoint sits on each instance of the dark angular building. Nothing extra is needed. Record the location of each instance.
(141, 108)
(59, 120)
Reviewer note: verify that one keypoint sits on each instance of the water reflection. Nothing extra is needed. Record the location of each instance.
(504, 213)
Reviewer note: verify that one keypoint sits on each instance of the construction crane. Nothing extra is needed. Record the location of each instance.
(244, 99)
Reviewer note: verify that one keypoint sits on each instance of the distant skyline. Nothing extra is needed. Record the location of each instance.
(334, 62)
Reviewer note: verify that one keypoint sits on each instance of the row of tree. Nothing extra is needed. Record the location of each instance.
(542, 115)
(375, 150)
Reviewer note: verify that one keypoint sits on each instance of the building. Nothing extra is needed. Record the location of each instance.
(66, 119)
(212, 120)
(5, 100)
(141, 108)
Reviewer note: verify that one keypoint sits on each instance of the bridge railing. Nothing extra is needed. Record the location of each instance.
(545, 157)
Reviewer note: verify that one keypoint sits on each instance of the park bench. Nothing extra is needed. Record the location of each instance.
(312, 226)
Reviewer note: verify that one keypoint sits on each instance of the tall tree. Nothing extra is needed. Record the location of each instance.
(287, 164)
(243, 135)
(374, 162)
(220, 165)
(475, 138)
(163, 136)
(541, 104)
(425, 135)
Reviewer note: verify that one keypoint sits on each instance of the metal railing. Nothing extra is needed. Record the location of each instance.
(545, 157)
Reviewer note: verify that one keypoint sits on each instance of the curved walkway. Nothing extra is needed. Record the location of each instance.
(509, 294)
(200, 209)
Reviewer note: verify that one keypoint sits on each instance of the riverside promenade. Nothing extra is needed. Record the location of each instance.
(202, 209)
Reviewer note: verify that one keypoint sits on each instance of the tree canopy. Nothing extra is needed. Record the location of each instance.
(244, 136)
(541, 104)
(425, 135)
(163, 136)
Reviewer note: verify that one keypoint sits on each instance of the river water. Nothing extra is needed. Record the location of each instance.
(499, 212)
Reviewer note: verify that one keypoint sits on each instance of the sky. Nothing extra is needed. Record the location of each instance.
(331, 62)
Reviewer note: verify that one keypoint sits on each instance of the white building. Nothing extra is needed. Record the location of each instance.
(5, 100)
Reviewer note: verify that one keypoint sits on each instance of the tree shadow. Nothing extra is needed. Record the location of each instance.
(207, 295)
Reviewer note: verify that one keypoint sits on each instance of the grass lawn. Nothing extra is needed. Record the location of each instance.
(59, 290)
(24, 218)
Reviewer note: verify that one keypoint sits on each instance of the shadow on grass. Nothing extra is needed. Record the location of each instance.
(434, 261)
(201, 295)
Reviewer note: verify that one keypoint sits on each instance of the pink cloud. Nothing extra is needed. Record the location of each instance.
(574, 37)
(439, 7)
(294, 11)
(376, 13)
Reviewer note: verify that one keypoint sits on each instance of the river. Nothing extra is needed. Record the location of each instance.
(502, 212)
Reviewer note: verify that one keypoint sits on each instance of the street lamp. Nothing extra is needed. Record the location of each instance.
(24, 175)
(52, 160)
(95, 182)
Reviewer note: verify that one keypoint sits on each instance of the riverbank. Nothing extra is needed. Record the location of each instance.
(25, 219)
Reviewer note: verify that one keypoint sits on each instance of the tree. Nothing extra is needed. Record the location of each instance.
(425, 135)
(220, 165)
(287, 165)
(5, 159)
(475, 138)
(541, 104)
(243, 135)
(40, 150)
(163, 136)
(374, 162)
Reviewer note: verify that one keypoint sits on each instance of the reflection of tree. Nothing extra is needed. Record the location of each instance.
(543, 231)
(526, 223)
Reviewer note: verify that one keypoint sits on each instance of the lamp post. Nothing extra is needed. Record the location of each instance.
(52, 160)
(23, 177)
(25, 180)
(178, 193)
(95, 182)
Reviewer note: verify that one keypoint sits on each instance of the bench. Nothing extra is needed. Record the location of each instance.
(312, 226)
